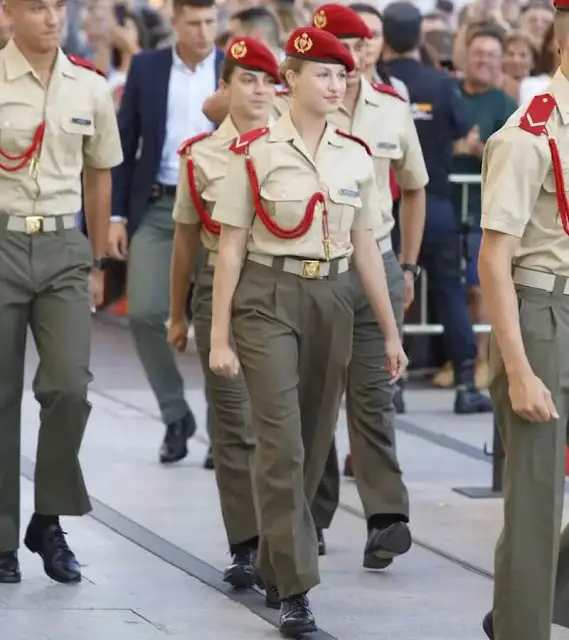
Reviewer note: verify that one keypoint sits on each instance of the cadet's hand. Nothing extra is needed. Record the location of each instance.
(397, 360)
(178, 335)
(409, 293)
(223, 361)
(118, 241)
(97, 287)
(531, 399)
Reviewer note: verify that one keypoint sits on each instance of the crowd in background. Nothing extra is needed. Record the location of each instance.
(501, 54)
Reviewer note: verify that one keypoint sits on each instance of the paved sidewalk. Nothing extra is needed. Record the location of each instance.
(154, 549)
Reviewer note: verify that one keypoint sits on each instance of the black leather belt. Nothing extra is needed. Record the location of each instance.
(159, 191)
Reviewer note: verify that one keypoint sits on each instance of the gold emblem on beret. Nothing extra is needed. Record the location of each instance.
(238, 50)
(320, 20)
(303, 43)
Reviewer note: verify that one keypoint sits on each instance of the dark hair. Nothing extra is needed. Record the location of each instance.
(123, 16)
(486, 32)
(545, 60)
(446, 6)
(195, 4)
(363, 7)
(537, 5)
(262, 18)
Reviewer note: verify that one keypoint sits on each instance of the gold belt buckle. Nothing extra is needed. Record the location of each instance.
(34, 224)
(310, 269)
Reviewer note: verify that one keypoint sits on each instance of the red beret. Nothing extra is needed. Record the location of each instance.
(309, 43)
(252, 54)
(341, 21)
(562, 5)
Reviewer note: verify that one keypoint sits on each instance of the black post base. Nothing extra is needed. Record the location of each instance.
(477, 492)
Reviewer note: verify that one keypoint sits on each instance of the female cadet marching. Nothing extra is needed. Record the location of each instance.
(298, 203)
(249, 75)
(383, 119)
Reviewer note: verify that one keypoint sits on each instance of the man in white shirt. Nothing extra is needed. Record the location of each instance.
(161, 107)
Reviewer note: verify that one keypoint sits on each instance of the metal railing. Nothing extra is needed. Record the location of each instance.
(423, 327)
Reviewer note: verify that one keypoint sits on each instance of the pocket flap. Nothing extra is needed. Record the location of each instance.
(78, 123)
(346, 195)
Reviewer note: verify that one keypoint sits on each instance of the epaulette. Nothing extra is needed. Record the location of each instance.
(537, 114)
(86, 64)
(345, 134)
(241, 144)
(381, 87)
(190, 142)
(283, 92)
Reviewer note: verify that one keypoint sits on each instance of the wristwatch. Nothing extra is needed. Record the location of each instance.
(100, 263)
(415, 269)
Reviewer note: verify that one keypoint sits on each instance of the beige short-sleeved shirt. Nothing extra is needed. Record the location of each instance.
(210, 157)
(288, 177)
(81, 130)
(386, 124)
(518, 186)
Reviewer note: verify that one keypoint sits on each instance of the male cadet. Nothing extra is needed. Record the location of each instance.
(248, 76)
(524, 274)
(57, 121)
(255, 22)
(440, 119)
(379, 116)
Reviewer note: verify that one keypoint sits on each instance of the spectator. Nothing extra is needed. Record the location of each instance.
(434, 21)
(519, 60)
(129, 36)
(487, 108)
(536, 18)
(374, 70)
(440, 119)
(546, 64)
(290, 16)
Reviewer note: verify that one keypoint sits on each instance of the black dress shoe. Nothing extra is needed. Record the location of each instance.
(241, 573)
(321, 542)
(272, 597)
(488, 625)
(384, 544)
(49, 543)
(296, 617)
(9, 568)
(208, 462)
(175, 444)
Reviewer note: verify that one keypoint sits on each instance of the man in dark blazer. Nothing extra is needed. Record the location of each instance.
(161, 107)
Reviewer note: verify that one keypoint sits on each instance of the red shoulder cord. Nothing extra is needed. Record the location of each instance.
(562, 203)
(30, 155)
(210, 225)
(303, 226)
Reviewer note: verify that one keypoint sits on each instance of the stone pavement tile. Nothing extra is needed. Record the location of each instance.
(180, 504)
(127, 594)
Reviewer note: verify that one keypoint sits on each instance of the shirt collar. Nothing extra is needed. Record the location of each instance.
(284, 131)
(178, 63)
(227, 130)
(17, 66)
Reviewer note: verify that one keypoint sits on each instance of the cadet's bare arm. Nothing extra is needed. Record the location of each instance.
(216, 107)
(234, 211)
(186, 246)
(512, 176)
(97, 186)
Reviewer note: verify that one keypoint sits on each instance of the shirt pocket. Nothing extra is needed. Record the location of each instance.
(285, 201)
(344, 203)
(549, 188)
(75, 126)
(16, 133)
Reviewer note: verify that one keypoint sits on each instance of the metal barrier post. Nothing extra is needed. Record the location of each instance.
(424, 328)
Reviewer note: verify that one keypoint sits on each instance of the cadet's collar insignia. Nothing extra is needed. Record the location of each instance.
(303, 43)
(320, 20)
(386, 145)
(82, 121)
(352, 193)
(238, 50)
